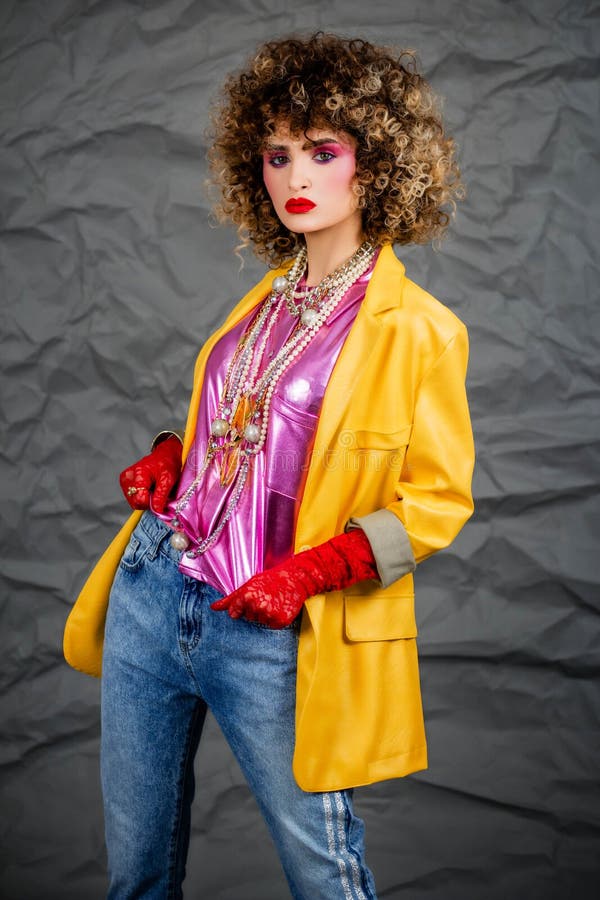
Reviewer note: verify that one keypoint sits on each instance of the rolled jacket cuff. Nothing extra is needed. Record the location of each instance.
(389, 542)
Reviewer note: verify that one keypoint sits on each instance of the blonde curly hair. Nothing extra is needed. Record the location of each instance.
(407, 179)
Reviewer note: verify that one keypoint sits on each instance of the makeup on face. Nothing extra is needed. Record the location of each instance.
(299, 205)
(310, 177)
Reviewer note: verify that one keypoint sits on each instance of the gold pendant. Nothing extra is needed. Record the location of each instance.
(243, 414)
(229, 464)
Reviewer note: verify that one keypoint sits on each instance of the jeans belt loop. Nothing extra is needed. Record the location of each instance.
(158, 537)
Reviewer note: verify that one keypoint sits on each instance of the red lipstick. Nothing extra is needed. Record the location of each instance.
(299, 205)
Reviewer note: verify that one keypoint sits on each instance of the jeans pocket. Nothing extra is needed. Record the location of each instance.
(293, 626)
(134, 555)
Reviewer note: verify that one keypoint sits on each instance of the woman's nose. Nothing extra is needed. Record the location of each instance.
(298, 176)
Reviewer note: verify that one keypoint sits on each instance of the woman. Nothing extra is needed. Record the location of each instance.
(327, 451)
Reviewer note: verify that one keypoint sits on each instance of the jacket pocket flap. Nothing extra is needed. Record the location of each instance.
(382, 440)
(379, 618)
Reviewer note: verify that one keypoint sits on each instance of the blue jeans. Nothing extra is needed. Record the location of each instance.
(167, 658)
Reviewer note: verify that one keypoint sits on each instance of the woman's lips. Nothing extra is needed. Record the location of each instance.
(299, 205)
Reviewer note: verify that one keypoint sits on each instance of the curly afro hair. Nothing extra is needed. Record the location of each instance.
(407, 179)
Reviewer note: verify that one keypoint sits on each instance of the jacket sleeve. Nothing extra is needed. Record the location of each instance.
(434, 488)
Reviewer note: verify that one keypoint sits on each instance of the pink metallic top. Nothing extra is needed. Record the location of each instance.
(261, 531)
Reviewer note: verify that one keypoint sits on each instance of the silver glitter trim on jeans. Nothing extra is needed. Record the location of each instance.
(341, 808)
(335, 824)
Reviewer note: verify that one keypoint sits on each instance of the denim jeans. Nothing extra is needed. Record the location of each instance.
(167, 659)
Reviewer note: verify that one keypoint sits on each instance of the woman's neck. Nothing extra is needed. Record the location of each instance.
(328, 249)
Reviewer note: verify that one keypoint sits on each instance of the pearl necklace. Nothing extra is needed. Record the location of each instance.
(305, 301)
(239, 429)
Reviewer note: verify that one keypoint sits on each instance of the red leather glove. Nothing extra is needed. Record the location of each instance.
(154, 474)
(276, 596)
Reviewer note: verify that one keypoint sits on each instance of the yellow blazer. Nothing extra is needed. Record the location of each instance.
(394, 432)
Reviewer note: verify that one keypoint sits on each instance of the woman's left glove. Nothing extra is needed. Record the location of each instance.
(276, 596)
(155, 474)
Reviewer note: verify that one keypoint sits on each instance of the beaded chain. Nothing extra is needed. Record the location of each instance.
(239, 430)
(298, 301)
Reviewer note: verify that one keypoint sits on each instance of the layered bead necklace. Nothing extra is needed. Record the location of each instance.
(239, 427)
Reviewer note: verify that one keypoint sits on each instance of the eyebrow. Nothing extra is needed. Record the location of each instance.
(306, 146)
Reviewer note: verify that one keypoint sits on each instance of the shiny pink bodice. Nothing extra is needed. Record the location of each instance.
(261, 531)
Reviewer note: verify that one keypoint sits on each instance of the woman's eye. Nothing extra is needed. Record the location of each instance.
(324, 156)
(278, 161)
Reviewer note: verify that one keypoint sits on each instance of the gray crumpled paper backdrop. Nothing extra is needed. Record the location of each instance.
(113, 275)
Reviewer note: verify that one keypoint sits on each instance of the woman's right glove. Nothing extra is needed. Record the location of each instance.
(155, 474)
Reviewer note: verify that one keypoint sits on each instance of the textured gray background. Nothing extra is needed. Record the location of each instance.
(112, 276)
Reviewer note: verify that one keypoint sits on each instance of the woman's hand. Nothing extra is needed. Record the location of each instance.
(154, 474)
(276, 596)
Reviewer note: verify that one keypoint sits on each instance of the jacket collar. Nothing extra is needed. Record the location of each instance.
(385, 285)
(383, 291)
